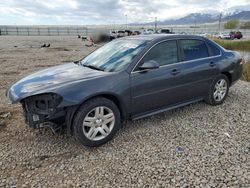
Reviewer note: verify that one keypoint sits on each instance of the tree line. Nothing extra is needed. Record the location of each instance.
(235, 24)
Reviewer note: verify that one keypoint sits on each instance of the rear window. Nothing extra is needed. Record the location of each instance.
(214, 50)
(194, 49)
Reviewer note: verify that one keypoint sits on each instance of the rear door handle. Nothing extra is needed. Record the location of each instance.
(175, 71)
(212, 64)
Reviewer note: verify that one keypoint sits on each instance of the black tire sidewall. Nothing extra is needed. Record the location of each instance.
(84, 110)
(211, 99)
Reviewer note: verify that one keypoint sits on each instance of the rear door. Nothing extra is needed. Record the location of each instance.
(197, 66)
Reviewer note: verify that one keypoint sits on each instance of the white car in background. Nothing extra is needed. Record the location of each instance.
(183, 33)
(148, 31)
(222, 35)
(121, 33)
(202, 34)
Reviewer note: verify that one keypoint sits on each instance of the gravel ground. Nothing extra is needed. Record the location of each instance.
(197, 145)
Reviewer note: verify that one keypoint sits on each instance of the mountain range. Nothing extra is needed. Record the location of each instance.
(198, 18)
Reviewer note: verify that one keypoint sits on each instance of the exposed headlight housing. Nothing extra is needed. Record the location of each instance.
(42, 103)
(41, 108)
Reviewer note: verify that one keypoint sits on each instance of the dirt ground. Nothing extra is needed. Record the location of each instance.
(198, 145)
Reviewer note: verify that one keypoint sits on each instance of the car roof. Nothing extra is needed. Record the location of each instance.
(159, 37)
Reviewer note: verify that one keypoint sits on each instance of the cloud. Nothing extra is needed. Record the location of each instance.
(78, 12)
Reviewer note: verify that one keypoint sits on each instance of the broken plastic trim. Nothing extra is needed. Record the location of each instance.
(42, 108)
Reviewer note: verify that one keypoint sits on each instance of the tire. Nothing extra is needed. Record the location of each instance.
(222, 92)
(91, 127)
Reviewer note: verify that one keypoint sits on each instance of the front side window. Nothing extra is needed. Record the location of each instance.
(194, 49)
(164, 53)
(114, 56)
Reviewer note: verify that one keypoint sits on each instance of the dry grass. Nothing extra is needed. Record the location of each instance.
(240, 45)
(243, 45)
(246, 72)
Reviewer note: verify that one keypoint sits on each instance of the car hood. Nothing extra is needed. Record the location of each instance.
(48, 79)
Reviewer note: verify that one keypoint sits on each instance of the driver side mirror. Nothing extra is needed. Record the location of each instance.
(149, 65)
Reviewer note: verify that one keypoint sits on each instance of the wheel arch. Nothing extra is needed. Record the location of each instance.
(119, 103)
(71, 111)
(229, 76)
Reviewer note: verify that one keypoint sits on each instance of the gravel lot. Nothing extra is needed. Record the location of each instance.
(197, 145)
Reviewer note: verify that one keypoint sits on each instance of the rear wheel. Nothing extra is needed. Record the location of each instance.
(218, 90)
(96, 122)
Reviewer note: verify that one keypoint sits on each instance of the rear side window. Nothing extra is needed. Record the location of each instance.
(194, 49)
(214, 50)
(164, 53)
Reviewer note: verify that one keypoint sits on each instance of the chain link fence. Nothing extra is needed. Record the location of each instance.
(44, 31)
(85, 31)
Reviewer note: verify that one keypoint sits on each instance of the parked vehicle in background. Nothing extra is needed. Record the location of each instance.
(136, 33)
(148, 31)
(121, 33)
(128, 32)
(183, 33)
(235, 35)
(202, 34)
(164, 31)
(128, 78)
(124, 33)
(222, 35)
(113, 34)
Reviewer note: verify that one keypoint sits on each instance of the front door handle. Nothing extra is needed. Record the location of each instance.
(175, 71)
(212, 64)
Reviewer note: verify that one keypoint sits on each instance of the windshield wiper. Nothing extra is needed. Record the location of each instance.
(93, 67)
(77, 62)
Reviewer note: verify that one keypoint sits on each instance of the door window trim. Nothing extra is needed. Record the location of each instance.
(179, 55)
(139, 61)
(182, 49)
(209, 43)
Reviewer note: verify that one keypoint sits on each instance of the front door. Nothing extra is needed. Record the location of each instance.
(155, 88)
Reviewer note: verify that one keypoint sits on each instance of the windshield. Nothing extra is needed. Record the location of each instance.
(114, 56)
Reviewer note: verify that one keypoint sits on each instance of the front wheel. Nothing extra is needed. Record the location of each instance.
(96, 122)
(218, 90)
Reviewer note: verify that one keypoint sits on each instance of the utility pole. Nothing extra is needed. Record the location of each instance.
(195, 25)
(155, 24)
(126, 21)
(220, 21)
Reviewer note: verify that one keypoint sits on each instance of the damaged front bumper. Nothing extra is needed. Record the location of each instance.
(40, 110)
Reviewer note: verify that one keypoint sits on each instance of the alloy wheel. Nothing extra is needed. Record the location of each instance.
(98, 123)
(220, 90)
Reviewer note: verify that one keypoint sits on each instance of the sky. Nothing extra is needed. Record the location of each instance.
(95, 12)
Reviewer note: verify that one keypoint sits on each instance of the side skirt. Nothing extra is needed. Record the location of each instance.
(164, 109)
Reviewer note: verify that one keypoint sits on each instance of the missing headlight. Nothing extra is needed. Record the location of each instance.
(42, 108)
(42, 104)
